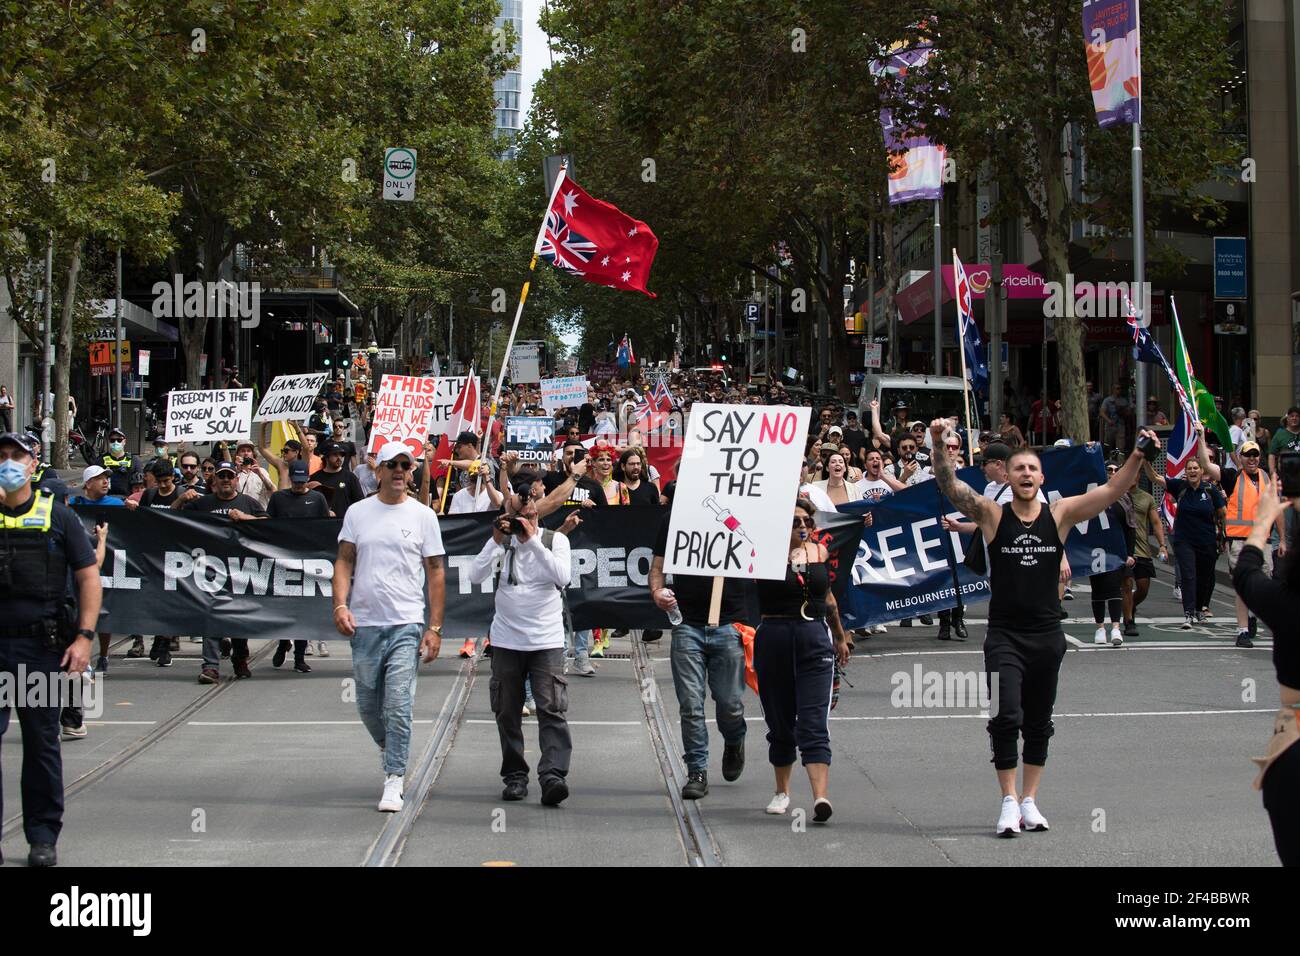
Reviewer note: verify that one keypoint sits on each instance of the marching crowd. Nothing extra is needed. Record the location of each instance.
(389, 577)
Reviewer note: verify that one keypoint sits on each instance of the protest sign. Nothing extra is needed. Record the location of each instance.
(444, 402)
(533, 438)
(560, 393)
(525, 368)
(200, 416)
(736, 488)
(903, 570)
(290, 398)
(169, 571)
(403, 406)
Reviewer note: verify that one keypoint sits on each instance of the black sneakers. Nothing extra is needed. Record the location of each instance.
(1131, 629)
(697, 785)
(242, 670)
(554, 792)
(301, 666)
(277, 659)
(733, 761)
(165, 654)
(1243, 639)
(515, 790)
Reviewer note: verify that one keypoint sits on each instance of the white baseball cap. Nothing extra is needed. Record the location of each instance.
(391, 450)
(93, 471)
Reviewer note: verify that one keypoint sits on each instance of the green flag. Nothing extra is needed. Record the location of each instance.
(1201, 398)
(1210, 415)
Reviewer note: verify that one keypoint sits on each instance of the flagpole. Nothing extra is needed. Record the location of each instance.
(519, 311)
(1139, 239)
(523, 295)
(961, 348)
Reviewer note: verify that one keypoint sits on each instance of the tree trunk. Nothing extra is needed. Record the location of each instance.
(890, 281)
(1069, 348)
(62, 371)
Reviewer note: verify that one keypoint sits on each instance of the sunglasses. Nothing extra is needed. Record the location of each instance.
(397, 464)
(803, 523)
(208, 469)
(188, 467)
(1111, 469)
(952, 447)
(1250, 454)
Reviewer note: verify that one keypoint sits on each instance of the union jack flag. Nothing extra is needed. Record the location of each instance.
(1181, 446)
(564, 248)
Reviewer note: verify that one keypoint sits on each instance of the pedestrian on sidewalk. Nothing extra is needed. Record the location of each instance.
(532, 567)
(390, 557)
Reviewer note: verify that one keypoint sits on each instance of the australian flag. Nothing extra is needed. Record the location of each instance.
(977, 369)
(1181, 445)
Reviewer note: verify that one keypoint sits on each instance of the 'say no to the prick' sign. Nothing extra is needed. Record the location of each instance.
(736, 488)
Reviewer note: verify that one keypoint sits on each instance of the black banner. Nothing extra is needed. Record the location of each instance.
(195, 574)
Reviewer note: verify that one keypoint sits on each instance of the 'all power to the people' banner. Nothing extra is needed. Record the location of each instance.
(736, 489)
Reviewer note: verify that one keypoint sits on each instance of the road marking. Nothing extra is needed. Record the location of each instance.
(282, 723)
(983, 715)
(121, 723)
(580, 723)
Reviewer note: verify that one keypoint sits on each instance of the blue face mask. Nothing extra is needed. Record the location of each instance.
(13, 475)
(116, 447)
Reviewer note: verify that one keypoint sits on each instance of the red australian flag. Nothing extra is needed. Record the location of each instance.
(597, 242)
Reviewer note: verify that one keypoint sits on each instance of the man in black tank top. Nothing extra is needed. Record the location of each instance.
(1025, 643)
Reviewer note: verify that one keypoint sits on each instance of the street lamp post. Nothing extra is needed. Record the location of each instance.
(373, 353)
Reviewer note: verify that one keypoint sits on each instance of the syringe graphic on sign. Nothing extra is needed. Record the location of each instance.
(730, 522)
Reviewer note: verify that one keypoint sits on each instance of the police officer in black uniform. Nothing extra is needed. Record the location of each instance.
(120, 463)
(41, 541)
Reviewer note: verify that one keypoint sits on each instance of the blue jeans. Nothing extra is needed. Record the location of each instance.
(581, 646)
(384, 662)
(717, 655)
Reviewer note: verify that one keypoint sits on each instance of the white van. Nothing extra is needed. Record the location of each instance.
(927, 397)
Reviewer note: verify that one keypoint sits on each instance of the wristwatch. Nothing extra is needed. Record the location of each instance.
(87, 633)
(436, 628)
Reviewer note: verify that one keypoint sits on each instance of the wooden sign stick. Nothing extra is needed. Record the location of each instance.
(715, 602)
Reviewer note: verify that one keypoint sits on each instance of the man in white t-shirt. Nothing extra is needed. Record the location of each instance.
(876, 483)
(389, 561)
(532, 568)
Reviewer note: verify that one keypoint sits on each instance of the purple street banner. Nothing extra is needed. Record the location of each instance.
(916, 163)
(1111, 38)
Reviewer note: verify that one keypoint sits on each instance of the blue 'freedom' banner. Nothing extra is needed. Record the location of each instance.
(905, 559)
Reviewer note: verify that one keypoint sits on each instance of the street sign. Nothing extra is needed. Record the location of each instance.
(399, 174)
(1229, 267)
(872, 355)
(753, 312)
(103, 353)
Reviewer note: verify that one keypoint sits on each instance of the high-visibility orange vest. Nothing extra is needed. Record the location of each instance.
(1242, 505)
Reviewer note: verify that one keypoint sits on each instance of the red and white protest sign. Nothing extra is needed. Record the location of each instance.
(736, 488)
(403, 408)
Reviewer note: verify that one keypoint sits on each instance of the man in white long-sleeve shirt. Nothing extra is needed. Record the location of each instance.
(527, 636)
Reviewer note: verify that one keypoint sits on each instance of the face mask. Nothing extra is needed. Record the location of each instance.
(161, 451)
(12, 475)
(116, 447)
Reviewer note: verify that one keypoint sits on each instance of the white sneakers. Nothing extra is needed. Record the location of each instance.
(1116, 635)
(323, 648)
(879, 629)
(1009, 817)
(391, 801)
(1015, 817)
(780, 803)
(1030, 818)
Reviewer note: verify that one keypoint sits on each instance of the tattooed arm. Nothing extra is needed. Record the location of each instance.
(964, 498)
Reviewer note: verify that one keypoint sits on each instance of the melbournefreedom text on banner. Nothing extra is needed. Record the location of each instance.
(198, 574)
(904, 566)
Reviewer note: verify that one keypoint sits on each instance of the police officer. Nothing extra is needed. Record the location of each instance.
(121, 464)
(41, 540)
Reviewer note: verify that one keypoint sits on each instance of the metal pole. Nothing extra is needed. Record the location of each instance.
(47, 417)
(871, 284)
(451, 324)
(993, 319)
(938, 289)
(767, 363)
(116, 402)
(1139, 270)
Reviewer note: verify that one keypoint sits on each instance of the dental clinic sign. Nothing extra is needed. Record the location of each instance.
(736, 488)
(193, 299)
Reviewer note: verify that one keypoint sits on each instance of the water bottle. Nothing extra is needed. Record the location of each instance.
(674, 613)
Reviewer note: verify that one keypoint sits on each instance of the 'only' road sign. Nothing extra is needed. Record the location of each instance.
(399, 174)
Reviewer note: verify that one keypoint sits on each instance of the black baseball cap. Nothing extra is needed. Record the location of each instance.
(25, 442)
(997, 451)
(899, 404)
(117, 431)
(334, 448)
(225, 466)
(298, 471)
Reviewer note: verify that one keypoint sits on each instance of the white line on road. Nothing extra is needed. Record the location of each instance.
(282, 723)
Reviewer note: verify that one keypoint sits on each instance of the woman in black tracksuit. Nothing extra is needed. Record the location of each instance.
(794, 659)
(1277, 604)
(1106, 587)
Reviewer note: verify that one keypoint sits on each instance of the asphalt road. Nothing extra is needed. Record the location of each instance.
(1149, 765)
